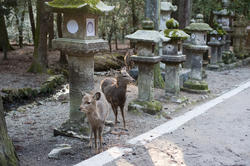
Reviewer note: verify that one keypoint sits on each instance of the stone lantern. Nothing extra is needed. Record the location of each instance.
(196, 48)
(214, 44)
(173, 57)
(145, 58)
(166, 9)
(239, 35)
(223, 17)
(80, 41)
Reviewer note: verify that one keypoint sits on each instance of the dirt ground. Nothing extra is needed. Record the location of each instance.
(31, 125)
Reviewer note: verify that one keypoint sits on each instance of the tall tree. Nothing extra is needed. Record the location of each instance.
(63, 57)
(5, 7)
(8, 156)
(184, 7)
(40, 61)
(32, 20)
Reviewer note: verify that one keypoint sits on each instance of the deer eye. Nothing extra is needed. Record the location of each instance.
(87, 102)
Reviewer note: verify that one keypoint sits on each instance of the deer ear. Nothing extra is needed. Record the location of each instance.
(97, 96)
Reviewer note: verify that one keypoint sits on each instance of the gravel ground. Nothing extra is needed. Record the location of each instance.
(31, 126)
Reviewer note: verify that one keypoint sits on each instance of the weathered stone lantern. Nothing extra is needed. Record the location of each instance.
(239, 35)
(173, 57)
(146, 60)
(166, 9)
(80, 41)
(196, 48)
(214, 44)
(223, 17)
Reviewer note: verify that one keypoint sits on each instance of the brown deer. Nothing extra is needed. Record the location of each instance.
(115, 92)
(127, 59)
(96, 109)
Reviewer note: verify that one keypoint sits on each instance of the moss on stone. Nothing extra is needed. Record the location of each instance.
(198, 27)
(172, 24)
(176, 34)
(150, 107)
(72, 3)
(196, 85)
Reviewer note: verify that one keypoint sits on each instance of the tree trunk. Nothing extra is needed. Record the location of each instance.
(51, 30)
(20, 23)
(32, 21)
(8, 155)
(40, 62)
(4, 39)
(63, 57)
(184, 6)
(134, 17)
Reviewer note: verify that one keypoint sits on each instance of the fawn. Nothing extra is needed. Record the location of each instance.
(96, 109)
(115, 92)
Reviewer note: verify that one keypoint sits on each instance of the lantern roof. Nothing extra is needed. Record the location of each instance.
(148, 36)
(76, 5)
(168, 6)
(199, 25)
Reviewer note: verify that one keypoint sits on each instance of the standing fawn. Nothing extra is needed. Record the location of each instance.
(115, 92)
(96, 109)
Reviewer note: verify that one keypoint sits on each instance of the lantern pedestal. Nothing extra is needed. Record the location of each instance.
(81, 79)
(172, 77)
(196, 83)
(214, 44)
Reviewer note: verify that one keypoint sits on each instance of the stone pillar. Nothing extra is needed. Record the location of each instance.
(239, 35)
(152, 11)
(214, 45)
(81, 79)
(145, 82)
(220, 49)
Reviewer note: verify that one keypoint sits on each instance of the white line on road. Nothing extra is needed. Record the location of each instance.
(170, 126)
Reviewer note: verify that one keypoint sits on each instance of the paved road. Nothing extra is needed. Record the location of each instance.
(219, 137)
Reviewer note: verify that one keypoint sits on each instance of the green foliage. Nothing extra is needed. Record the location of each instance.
(241, 7)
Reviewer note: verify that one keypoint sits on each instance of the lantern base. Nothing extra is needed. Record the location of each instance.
(177, 99)
(149, 107)
(196, 86)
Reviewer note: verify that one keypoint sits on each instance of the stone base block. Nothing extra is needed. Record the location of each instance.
(177, 99)
(213, 67)
(150, 107)
(76, 129)
(196, 86)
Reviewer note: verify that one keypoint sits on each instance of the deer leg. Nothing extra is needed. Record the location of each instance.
(124, 122)
(114, 108)
(100, 138)
(95, 137)
(91, 137)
